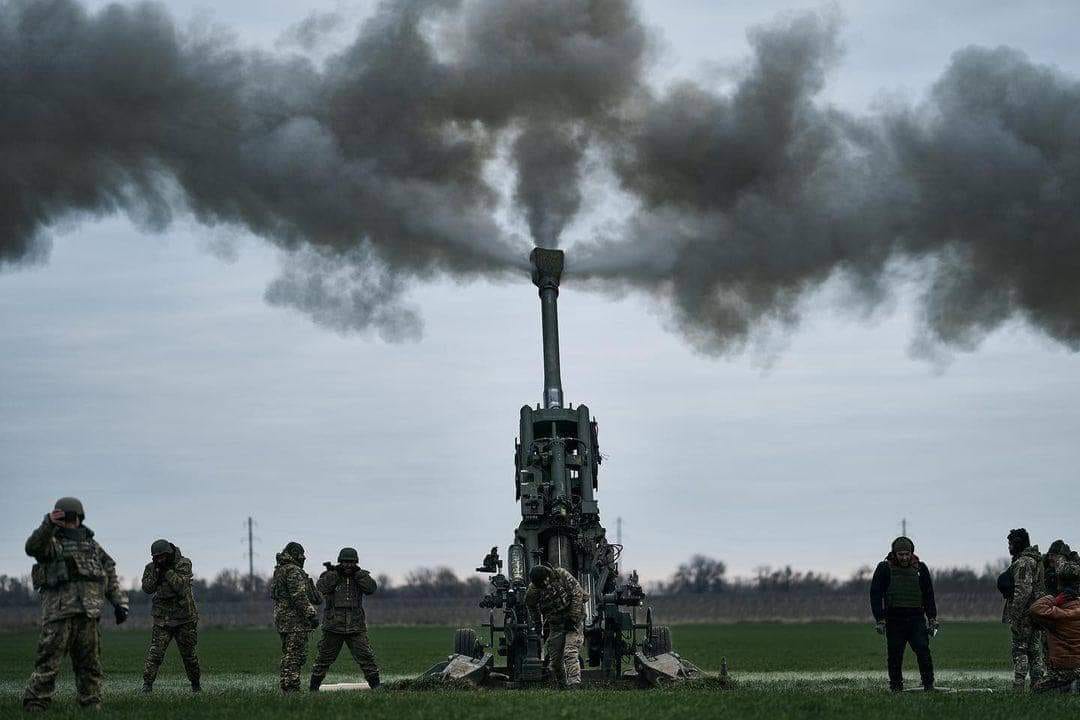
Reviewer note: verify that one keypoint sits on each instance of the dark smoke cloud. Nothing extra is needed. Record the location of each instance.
(548, 160)
(375, 161)
(371, 169)
(751, 200)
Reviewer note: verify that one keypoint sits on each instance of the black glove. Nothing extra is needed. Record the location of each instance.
(121, 613)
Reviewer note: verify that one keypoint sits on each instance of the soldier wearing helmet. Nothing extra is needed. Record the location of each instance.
(75, 577)
(167, 578)
(344, 623)
(295, 616)
(555, 598)
(1059, 558)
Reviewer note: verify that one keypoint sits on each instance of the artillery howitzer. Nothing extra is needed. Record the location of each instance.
(556, 463)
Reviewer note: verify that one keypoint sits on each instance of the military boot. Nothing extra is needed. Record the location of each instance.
(373, 681)
(196, 687)
(147, 687)
(316, 683)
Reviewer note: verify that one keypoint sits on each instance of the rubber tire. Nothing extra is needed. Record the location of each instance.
(661, 640)
(465, 642)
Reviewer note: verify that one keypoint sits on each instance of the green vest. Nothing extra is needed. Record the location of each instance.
(904, 590)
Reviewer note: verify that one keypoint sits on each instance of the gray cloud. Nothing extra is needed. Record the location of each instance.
(369, 170)
(754, 198)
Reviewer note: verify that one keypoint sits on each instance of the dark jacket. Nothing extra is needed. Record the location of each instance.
(170, 585)
(879, 587)
(344, 595)
(1061, 617)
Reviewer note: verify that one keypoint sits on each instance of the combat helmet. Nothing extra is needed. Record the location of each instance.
(71, 505)
(540, 574)
(348, 555)
(295, 551)
(161, 547)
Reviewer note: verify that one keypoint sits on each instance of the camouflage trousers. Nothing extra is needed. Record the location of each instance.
(1028, 654)
(293, 657)
(186, 636)
(359, 647)
(79, 637)
(562, 650)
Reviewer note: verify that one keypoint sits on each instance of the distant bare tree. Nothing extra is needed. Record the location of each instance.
(701, 574)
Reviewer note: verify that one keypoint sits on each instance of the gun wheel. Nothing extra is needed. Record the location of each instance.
(466, 643)
(660, 642)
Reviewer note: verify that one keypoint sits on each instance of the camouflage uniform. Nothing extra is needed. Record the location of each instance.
(295, 616)
(75, 577)
(1068, 564)
(1028, 647)
(345, 623)
(175, 617)
(561, 605)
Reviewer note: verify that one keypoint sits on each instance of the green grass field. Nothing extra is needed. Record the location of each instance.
(781, 671)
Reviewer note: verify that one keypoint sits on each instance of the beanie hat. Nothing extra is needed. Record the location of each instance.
(903, 543)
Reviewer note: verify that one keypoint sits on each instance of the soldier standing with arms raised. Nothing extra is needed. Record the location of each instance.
(75, 577)
(556, 598)
(902, 600)
(1021, 585)
(295, 616)
(168, 578)
(344, 622)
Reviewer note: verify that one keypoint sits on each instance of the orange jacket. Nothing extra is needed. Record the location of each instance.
(1061, 618)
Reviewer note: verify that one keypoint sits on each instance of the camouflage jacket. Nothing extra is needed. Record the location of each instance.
(171, 587)
(561, 602)
(74, 575)
(1070, 566)
(1028, 586)
(294, 597)
(344, 612)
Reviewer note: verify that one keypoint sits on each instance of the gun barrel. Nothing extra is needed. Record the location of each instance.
(547, 271)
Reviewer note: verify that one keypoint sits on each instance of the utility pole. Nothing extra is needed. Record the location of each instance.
(618, 531)
(251, 557)
(903, 526)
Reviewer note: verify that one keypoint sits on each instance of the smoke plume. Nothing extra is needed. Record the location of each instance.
(750, 200)
(371, 169)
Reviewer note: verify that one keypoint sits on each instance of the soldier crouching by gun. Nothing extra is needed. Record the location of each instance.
(344, 586)
(555, 596)
(168, 578)
(1059, 616)
(902, 600)
(75, 577)
(295, 616)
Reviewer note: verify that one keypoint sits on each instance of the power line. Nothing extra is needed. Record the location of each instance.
(251, 556)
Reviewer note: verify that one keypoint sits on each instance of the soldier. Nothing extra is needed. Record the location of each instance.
(1021, 585)
(902, 600)
(555, 597)
(1059, 558)
(168, 578)
(75, 577)
(1060, 616)
(344, 586)
(295, 616)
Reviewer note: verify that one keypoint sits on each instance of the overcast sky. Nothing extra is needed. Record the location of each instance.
(146, 375)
